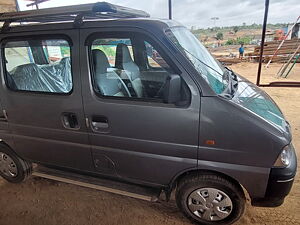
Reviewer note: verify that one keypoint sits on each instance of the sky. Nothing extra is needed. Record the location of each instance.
(198, 13)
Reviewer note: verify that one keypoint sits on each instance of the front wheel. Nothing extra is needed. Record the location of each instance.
(210, 199)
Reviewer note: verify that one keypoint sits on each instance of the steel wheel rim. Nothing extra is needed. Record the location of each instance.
(209, 204)
(7, 166)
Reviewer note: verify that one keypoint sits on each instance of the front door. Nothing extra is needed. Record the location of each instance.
(41, 93)
(134, 134)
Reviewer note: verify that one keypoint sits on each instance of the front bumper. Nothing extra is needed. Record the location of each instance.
(279, 185)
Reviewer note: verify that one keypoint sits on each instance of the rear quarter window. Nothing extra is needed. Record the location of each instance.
(38, 65)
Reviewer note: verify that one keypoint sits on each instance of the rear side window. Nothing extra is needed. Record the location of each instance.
(38, 65)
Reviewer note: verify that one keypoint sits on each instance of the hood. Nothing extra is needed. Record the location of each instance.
(251, 97)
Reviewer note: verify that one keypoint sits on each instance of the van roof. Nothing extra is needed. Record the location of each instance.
(76, 14)
(150, 24)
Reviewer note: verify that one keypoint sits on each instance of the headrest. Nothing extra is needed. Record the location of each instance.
(28, 77)
(122, 55)
(65, 60)
(100, 61)
(28, 70)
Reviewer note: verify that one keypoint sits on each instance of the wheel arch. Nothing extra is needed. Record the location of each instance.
(24, 167)
(197, 171)
(3, 142)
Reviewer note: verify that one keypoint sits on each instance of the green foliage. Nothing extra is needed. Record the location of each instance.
(238, 41)
(242, 27)
(235, 29)
(210, 33)
(244, 40)
(65, 51)
(230, 42)
(219, 36)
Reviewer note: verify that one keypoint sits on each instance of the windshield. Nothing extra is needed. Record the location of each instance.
(257, 101)
(202, 60)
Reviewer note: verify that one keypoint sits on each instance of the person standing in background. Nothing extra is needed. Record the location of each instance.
(241, 51)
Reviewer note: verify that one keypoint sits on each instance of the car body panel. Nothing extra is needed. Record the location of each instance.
(143, 137)
(35, 119)
(155, 143)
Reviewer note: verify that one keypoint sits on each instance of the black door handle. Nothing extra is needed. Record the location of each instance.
(99, 123)
(70, 120)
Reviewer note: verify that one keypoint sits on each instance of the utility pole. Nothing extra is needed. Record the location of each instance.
(263, 35)
(214, 19)
(170, 9)
(17, 6)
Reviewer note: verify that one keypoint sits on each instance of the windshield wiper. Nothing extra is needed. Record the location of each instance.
(233, 81)
(233, 77)
(228, 92)
(232, 86)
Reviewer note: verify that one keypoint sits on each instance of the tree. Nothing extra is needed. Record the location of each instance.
(235, 29)
(230, 42)
(219, 36)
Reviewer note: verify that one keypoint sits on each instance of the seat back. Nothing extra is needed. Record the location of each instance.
(46, 78)
(108, 82)
(58, 75)
(27, 77)
(125, 62)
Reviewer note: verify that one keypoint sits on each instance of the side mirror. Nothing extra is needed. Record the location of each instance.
(172, 90)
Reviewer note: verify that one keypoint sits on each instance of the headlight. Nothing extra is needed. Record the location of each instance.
(284, 158)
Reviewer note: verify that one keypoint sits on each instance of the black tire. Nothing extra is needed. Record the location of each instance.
(192, 183)
(24, 168)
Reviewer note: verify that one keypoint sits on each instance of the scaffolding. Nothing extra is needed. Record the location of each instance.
(272, 84)
(280, 45)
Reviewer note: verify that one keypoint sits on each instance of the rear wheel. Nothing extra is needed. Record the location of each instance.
(13, 168)
(210, 199)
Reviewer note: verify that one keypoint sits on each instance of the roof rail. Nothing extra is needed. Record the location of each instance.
(76, 13)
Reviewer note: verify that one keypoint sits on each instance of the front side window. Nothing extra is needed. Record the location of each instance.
(202, 60)
(38, 65)
(128, 67)
(153, 57)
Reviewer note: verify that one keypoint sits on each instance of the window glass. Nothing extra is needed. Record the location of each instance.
(199, 56)
(38, 65)
(154, 58)
(109, 47)
(130, 68)
(17, 56)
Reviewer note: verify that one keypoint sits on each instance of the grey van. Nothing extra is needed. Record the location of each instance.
(107, 92)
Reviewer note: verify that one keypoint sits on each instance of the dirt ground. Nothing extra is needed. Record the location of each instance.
(40, 201)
